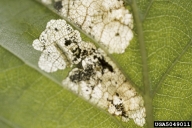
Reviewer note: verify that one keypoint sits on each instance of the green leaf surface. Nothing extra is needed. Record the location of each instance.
(157, 62)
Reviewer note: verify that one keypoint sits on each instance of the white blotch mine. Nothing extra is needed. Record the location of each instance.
(106, 20)
(95, 78)
(57, 45)
(101, 82)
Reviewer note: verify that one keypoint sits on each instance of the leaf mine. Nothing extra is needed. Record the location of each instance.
(95, 78)
(108, 21)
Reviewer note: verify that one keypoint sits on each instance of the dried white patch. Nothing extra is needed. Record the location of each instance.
(107, 20)
(95, 78)
(46, 1)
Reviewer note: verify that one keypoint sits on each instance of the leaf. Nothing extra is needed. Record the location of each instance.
(158, 62)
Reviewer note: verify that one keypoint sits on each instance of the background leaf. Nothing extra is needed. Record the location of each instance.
(32, 98)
